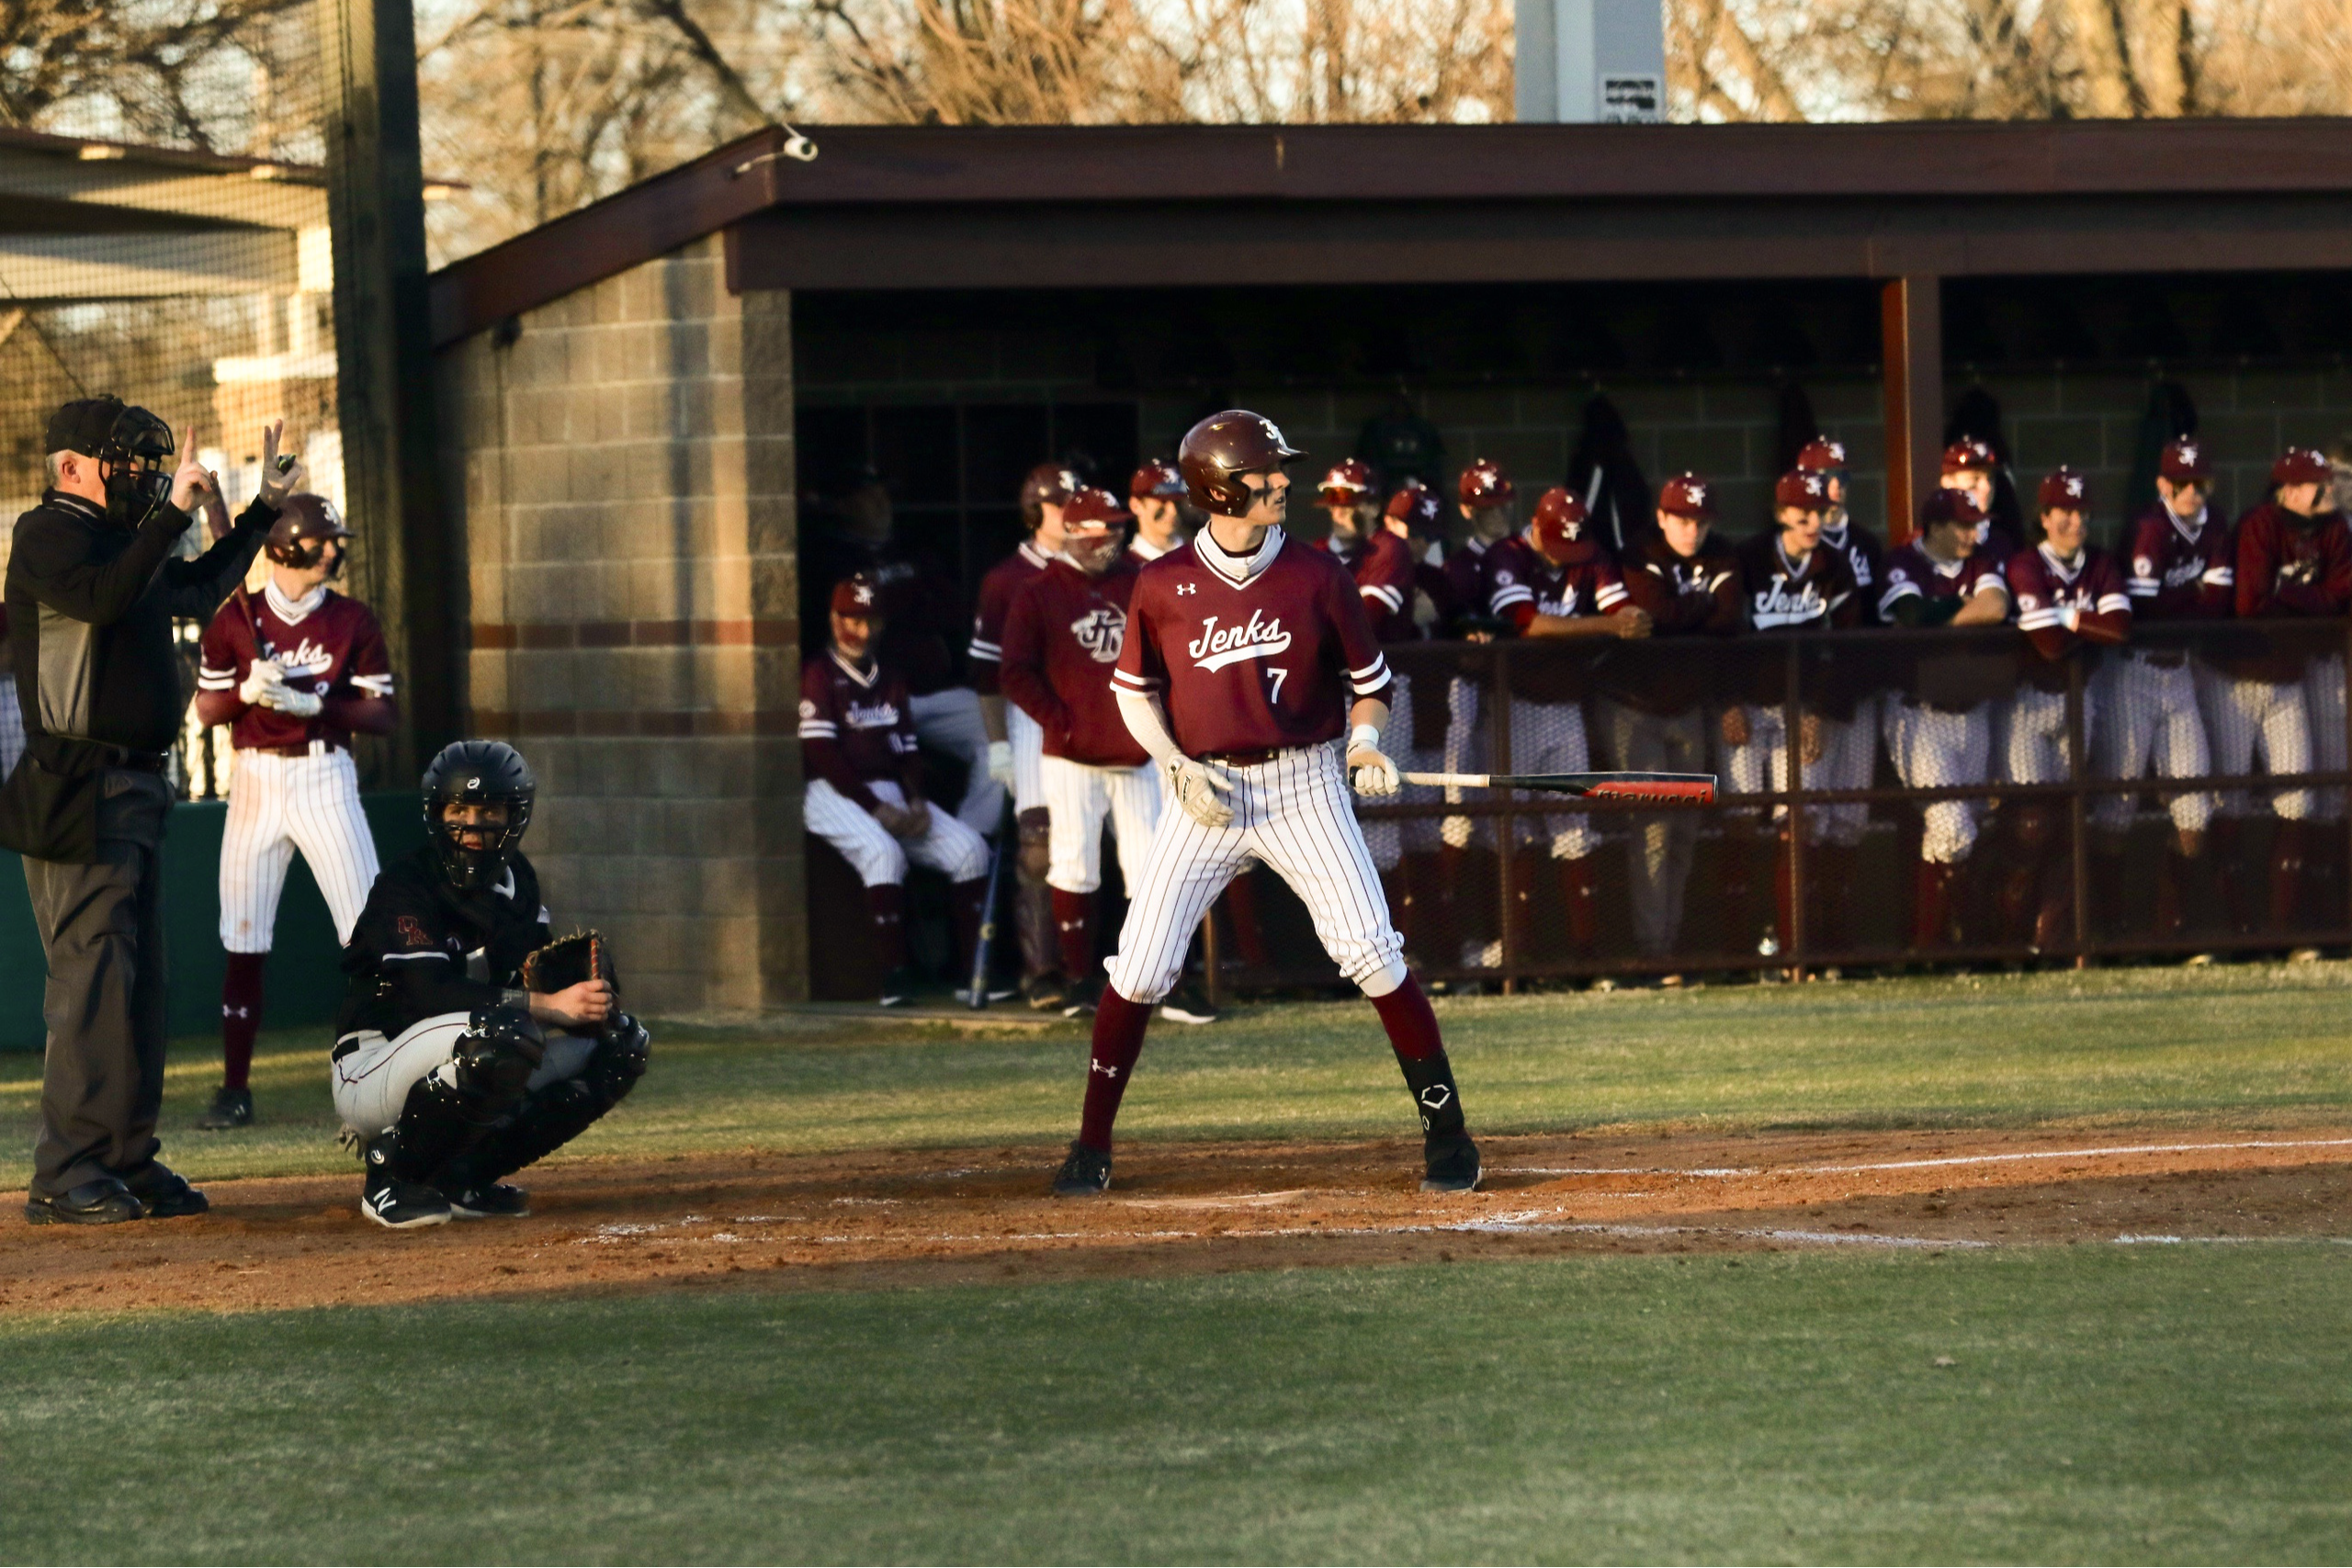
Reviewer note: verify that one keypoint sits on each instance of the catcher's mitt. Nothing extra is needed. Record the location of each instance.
(568, 961)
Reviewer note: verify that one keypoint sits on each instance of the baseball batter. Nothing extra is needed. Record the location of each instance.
(1247, 660)
(865, 796)
(2183, 567)
(1791, 583)
(2294, 559)
(1064, 631)
(294, 672)
(2068, 594)
(1940, 730)
(1015, 745)
(1556, 581)
(448, 1069)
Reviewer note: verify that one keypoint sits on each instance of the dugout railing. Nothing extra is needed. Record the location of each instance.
(2068, 863)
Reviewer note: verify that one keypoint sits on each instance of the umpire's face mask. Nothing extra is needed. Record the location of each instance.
(137, 452)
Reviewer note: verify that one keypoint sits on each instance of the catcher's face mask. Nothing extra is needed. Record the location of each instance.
(474, 832)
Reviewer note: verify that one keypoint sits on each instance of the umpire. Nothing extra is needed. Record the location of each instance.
(92, 587)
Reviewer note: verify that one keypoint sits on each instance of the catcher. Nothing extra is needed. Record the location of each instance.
(468, 1044)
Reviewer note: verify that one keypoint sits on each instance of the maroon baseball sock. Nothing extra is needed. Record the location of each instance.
(240, 1016)
(886, 902)
(1412, 1027)
(1074, 921)
(1118, 1041)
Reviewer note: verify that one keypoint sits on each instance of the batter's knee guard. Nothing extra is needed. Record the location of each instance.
(554, 1114)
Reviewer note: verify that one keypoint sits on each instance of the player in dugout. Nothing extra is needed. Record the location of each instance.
(470, 1044)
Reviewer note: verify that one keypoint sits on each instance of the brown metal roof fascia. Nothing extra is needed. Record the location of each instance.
(16, 140)
(623, 230)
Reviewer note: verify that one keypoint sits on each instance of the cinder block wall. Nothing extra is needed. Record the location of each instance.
(624, 467)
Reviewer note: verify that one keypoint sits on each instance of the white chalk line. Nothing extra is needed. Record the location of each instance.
(2108, 1152)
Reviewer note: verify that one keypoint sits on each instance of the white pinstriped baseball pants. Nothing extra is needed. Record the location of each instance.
(2244, 716)
(2148, 718)
(279, 805)
(1297, 814)
(1079, 796)
(881, 859)
(1933, 748)
(1028, 744)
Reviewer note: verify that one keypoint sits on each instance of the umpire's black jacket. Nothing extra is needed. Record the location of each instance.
(90, 607)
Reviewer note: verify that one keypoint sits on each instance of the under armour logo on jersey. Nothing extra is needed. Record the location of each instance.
(1214, 648)
(1437, 1097)
(1184, 588)
(1101, 631)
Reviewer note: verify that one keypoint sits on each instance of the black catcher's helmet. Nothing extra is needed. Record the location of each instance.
(478, 771)
(298, 536)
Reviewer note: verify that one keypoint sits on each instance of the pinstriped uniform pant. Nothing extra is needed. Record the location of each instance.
(279, 805)
(1295, 813)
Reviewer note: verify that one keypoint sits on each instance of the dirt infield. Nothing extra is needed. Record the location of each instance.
(936, 1217)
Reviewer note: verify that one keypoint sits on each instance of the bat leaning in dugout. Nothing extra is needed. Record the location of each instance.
(1665, 789)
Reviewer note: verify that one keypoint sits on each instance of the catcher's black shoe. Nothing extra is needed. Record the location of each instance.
(1452, 1164)
(488, 1200)
(231, 1108)
(898, 986)
(165, 1192)
(394, 1204)
(1085, 1174)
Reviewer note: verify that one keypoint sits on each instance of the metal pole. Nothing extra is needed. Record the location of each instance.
(1506, 824)
(1792, 726)
(383, 358)
(2076, 814)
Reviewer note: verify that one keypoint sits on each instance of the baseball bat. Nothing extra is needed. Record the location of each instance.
(982, 949)
(1664, 789)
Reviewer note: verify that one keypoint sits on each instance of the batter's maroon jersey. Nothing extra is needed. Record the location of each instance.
(1060, 641)
(1866, 557)
(334, 649)
(2179, 573)
(1382, 566)
(856, 727)
(1008, 576)
(1912, 572)
(2046, 587)
(1778, 596)
(1264, 664)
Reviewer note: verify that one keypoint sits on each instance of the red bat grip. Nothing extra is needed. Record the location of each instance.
(1697, 793)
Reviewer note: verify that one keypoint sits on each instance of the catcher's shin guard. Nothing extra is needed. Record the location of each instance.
(554, 1114)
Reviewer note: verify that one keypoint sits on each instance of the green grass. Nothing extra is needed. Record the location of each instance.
(2108, 1403)
(2249, 1046)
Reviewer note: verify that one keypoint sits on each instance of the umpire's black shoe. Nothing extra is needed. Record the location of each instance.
(1452, 1164)
(165, 1192)
(103, 1200)
(1085, 1174)
(488, 1200)
(231, 1108)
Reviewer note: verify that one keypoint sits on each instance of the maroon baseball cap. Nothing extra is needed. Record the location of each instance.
(1823, 456)
(1349, 481)
(1950, 506)
(2301, 466)
(1092, 511)
(2063, 491)
(2183, 462)
(1687, 495)
(1484, 483)
(854, 595)
(1417, 507)
(1968, 455)
(1801, 487)
(1157, 477)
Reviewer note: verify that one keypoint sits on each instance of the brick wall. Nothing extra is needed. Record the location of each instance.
(624, 469)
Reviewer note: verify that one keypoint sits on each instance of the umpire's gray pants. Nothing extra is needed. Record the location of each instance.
(1660, 846)
(102, 928)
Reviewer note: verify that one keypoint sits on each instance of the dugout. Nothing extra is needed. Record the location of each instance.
(644, 404)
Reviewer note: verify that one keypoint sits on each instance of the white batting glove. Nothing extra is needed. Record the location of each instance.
(261, 679)
(1196, 786)
(1001, 762)
(291, 702)
(1455, 832)
(1369, 768)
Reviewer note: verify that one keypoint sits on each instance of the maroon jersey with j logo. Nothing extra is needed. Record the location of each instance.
(332, 648)
(1065, 632)
(1256, 663)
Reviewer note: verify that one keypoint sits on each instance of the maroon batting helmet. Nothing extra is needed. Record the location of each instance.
(1348, 482)
(1094, 511)
(1047, 484)
(298, 536)
(1157, 478)
(1220, 449)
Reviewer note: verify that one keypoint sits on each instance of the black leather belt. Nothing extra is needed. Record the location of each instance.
(135, 762)
(1242, 758)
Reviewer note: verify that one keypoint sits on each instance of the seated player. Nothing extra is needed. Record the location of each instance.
(1061, 639)
(865, 794)
(450, 1071)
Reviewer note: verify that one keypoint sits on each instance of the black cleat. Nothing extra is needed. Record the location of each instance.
(103, 1200)
(396, 1204)
(165, 1193)
(231, 1108)
(1042, 992)
(489, 1201)
(898, 986)
(1085, 1174)
(1084, 998)
(1452, 1164)
(1188, 1003)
